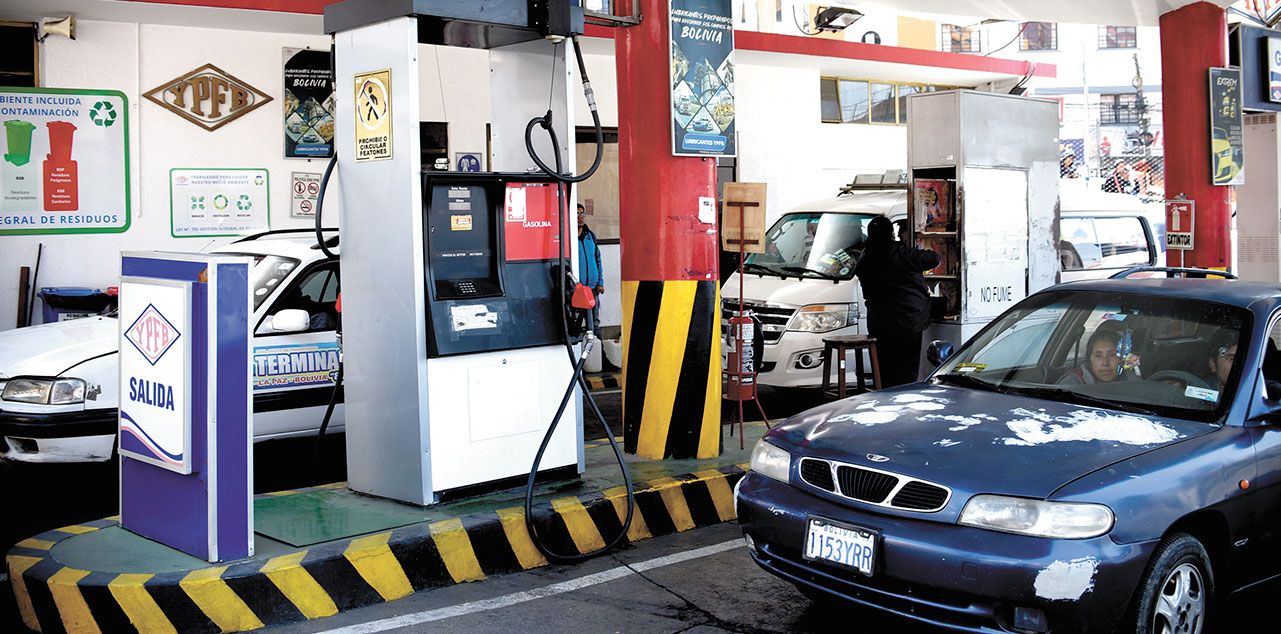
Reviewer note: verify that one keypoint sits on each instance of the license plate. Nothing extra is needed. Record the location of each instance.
(842, 544)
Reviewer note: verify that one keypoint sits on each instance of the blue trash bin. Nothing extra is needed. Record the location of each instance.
(63, 303)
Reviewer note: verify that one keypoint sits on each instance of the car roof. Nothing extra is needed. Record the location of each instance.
(290, 245)
(1241, 293)
(888, 201)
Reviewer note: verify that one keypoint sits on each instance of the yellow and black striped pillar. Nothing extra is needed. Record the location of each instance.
(671, 368)
(671, 307)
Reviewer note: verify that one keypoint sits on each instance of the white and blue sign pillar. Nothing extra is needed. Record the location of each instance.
(186, 426)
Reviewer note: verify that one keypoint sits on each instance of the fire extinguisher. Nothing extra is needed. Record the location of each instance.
(745, 342)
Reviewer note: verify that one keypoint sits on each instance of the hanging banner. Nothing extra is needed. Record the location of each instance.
(1227, 158)
(65, 166)
(218, 202)
(309, 104)
(702, 75)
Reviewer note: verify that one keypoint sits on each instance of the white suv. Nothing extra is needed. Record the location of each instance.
(58, 381)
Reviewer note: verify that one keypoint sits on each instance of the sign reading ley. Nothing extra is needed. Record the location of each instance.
(208, 97)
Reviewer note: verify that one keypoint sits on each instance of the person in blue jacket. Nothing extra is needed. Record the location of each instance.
(589, 268)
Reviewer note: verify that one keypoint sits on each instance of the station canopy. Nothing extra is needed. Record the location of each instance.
(1109, 12)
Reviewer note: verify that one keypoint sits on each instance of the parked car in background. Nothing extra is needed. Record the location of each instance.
(59, 383)
(1006, 494)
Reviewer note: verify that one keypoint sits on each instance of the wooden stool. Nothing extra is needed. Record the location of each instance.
(840, 345)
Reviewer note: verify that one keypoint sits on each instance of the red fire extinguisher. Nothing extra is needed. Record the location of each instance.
(744, 342)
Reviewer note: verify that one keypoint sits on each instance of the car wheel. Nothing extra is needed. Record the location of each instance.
(1177, 589)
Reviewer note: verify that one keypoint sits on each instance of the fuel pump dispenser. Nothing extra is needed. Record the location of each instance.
(454, 283)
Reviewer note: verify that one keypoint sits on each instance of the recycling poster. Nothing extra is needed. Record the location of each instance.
(218, 202)
(702, 75)
(65, 164)
(309, 104)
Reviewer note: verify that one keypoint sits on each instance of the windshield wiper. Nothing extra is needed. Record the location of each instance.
(750, 266)
(1071, 396)
(806, 269)
(967, 380)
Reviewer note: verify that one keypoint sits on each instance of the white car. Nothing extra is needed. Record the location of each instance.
(58, 381)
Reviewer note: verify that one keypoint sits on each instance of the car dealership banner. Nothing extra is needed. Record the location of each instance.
(65, 165)
(186, 427)
(702, 76)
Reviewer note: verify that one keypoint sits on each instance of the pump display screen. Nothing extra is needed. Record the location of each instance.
(463, 254)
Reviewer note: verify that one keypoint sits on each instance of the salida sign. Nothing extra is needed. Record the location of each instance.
(208, 97)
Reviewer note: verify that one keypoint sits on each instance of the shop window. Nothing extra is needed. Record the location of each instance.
(1119, 109)
(854, 100)
(1039, 36)
(884, 106)
(1118, 37)
(599, 194)
(433, 140)
(862, 101)
(18, 54)
(960, 39)
(903, 92)
(829, 102)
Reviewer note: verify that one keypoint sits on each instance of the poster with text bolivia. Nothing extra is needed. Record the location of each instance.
(702, 76)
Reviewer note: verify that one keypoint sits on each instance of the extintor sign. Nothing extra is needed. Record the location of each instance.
(1180, 216)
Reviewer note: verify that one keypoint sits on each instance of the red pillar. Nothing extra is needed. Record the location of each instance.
(1193, 39)
(671, 299)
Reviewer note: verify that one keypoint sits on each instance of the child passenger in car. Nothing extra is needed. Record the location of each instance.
(1104, 363)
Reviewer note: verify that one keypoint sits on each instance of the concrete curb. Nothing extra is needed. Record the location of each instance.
(53, 596)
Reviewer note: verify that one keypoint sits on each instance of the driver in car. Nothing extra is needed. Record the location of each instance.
(1223, 351)
(1104, 363)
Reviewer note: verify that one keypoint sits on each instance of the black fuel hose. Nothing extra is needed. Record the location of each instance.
(564, 187)
(330, 255)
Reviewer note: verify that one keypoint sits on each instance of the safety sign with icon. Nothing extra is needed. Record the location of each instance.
(303, 194)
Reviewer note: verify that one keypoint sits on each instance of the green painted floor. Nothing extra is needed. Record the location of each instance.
(287, 521)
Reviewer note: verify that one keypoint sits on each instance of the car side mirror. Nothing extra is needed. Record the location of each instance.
(938, 351)
(290, 320)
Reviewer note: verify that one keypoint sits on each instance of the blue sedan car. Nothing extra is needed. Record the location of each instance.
(1105, 456)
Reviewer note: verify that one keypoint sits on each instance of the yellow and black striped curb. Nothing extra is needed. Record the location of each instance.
(604, 381)
(53, 596)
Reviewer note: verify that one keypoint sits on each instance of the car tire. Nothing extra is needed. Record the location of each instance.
(1177, 589)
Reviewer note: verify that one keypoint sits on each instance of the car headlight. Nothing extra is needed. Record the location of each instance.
(770, 461)
(44, 391)
(1040, 518)
(824, 317)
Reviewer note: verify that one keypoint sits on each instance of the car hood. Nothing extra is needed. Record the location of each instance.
(777, 290)
(978, 441)
(50, 349)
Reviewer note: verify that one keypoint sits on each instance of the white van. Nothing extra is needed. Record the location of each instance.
(803, 288)
(1103, 233)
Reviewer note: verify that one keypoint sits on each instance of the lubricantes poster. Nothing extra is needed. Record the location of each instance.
(65, 164)
(702, 75)
(309, 104)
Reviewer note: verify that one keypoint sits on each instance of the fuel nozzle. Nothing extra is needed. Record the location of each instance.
(583, 298)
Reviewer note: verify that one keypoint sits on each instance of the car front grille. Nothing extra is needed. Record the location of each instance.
(774, 317)
(873, 486)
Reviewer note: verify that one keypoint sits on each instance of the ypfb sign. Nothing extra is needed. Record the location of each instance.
(185, 399)
(155, 376)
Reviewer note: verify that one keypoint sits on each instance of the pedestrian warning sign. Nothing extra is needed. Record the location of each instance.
(373, 116)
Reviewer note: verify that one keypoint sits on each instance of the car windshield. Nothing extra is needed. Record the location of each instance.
(812, 244)
(1147, 354)
(267, 274)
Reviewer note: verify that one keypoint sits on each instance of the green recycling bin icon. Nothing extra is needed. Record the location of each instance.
(18, 136)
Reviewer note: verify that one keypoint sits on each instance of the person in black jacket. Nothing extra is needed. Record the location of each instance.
(898, 302)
